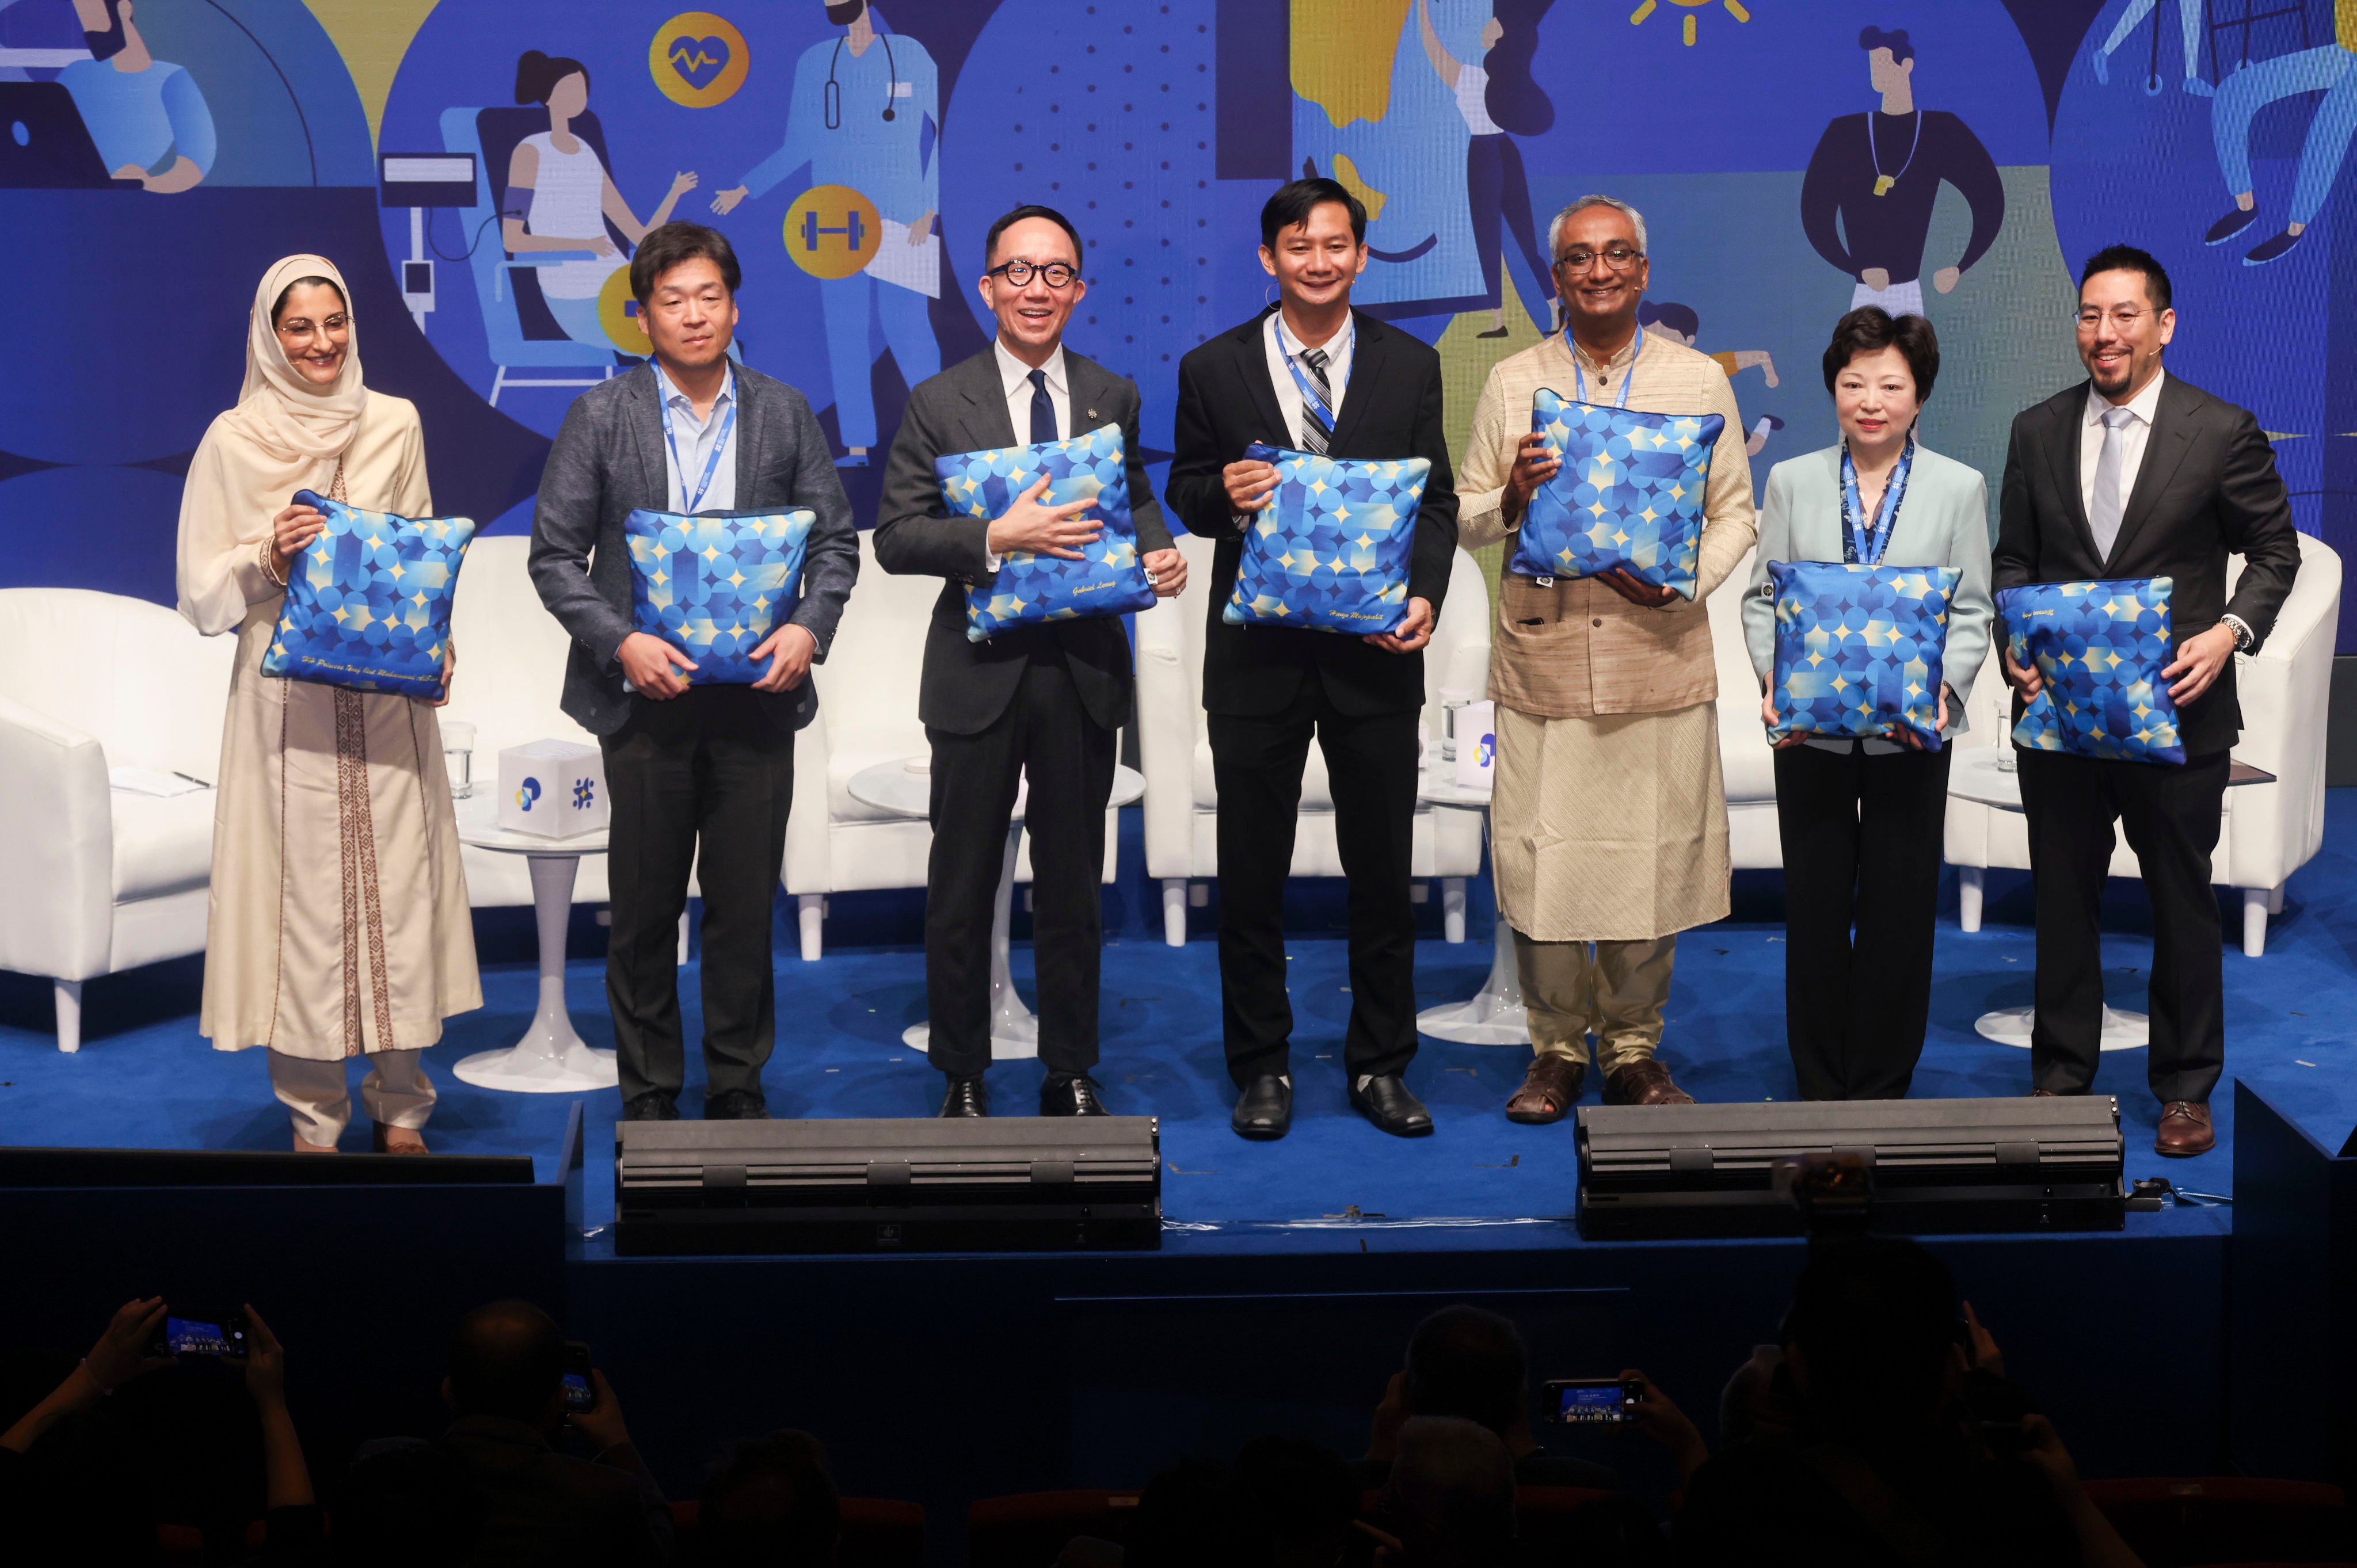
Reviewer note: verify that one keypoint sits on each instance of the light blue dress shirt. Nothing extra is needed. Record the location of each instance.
(695, 439)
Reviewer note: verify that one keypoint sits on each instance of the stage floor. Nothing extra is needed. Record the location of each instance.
(144, 1078)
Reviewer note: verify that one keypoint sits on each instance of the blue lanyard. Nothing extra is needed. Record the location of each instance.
(1310, 394)
(1580, 381)
(1863, 544)
(711, 464)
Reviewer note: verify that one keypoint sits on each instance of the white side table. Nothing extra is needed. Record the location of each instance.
(1494, 1016)
(905, 788)
(551, 1058)
(1978, 774)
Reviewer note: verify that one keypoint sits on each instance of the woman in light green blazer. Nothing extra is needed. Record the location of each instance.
(1862, 821)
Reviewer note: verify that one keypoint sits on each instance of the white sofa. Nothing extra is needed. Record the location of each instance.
(867, 714)
(1745, 758)
(2269, 831)
(100, 879)
(1175, 749)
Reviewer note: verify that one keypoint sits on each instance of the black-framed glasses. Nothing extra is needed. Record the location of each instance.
(1055, 274)
(1620, 258)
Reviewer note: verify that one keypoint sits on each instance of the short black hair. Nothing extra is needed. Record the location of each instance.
(278, 305)
(2130, 259)
(1294, 203)
(1869, 329)
(668, 246)
(1895, 40)
(1467, 1362)
(1030, 210)
(506, 1358)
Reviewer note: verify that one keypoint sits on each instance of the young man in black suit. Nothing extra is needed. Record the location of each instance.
(2135, 474)
(1046, 700)
(1314, 375)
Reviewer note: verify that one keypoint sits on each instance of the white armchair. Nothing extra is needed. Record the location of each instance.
(2269, 830)
(1745, 758)
(100, 879)
(867, 714)
(1175, 749)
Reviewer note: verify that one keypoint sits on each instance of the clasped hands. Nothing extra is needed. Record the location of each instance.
(1249, 485)
(1034, 528)
(2200, 660)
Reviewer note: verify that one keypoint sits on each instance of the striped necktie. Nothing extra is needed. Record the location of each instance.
(1316, 434)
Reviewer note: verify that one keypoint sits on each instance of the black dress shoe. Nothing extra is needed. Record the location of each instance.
(654, 1105)
(966, 1097)
(1264, 1108)
(1070, 1094)
(1384, 1099)
(736, 1105)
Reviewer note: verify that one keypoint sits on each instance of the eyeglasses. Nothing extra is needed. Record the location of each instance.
(300, 326)
(1055, 274)
(2122, 318)
(1620, 258)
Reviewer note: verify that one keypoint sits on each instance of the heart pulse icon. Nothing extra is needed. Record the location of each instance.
(698, 60)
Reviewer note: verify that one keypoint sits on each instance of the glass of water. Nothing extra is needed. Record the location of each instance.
(458, 757)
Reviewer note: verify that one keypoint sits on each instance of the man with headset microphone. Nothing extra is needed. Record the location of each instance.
(865, 112)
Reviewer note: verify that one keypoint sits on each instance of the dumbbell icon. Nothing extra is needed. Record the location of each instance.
(852, 230)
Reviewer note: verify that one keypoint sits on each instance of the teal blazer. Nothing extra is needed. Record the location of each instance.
(1943, 522)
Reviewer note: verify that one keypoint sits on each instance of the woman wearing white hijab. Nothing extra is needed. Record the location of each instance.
(339, 924)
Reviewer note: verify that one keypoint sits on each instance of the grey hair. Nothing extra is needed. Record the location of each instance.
(1555, 230)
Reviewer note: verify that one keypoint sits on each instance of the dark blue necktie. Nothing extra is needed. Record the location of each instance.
(1043, 409)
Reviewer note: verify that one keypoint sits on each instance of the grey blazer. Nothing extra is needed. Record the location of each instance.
(966, 685)
(1943, 522)
(608, 462)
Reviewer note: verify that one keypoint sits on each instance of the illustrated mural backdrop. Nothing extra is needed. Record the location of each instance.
(480, 171)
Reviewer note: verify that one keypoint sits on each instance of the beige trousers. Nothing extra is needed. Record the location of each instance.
(396, 1092)
(1614, 994)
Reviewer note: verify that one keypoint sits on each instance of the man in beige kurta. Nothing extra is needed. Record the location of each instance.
(1609, 818)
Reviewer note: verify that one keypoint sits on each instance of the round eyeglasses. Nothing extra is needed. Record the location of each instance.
(1055, 274)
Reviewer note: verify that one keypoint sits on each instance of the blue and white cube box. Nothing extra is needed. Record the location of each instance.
(555, 788)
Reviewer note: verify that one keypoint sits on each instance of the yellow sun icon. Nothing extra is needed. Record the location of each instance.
(1734, 9)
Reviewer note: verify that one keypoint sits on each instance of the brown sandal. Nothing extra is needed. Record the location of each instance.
(1549, 1089)
(381, 1141)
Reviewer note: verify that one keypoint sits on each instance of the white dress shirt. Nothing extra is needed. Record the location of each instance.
(689, 443)
(1015, 377)
(1282, 346)
(2133, 437)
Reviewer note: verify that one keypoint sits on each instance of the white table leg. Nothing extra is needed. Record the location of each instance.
(1495, 1016)
(1969, 882)
(1174, 911)
(550, 1059)
(2010, 1027)
(1014, 1027)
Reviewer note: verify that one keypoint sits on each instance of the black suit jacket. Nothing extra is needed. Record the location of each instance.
(2207, 488)
(1391, 410)
(967, 685)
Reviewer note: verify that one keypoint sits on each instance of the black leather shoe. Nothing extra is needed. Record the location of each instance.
(966, 1097)
(654, 1105)
(1070, 1094)
(736, 1105)
(1264, 1108)
(1384, 1099)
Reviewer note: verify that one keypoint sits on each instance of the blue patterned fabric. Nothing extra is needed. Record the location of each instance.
(1628, 494)
(1330, 550)
(2100, 648)
(1109, 580)
(716, 583)
(368, 602)
(1859, 649)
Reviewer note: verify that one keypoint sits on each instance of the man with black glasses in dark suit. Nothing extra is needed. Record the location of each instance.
(1043, 702)
(2135, 474)
(1314, 375)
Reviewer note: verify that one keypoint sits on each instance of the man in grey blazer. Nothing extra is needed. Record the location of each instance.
(1043, 702)
(689, 765)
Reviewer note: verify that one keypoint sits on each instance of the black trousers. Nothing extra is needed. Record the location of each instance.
(1371, 763)
(1861, 837)
(706, 767)
(1068, 757)
(2172, 817)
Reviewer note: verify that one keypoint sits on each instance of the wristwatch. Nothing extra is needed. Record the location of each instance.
(2242, 636)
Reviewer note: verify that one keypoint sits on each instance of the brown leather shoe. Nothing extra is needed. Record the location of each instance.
(1645, 1082)
(2041, 1094)
(2184, 1129)
(1549, 1089)
(387, 1139)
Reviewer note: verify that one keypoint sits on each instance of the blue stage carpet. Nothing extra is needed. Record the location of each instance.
(144, 1078)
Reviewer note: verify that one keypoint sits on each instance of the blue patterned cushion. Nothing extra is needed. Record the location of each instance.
(714, 585)
(1330, 550)
(1859, 649)
(2101, 647)
(1628, 494)
(368, 602)
(1108, 581)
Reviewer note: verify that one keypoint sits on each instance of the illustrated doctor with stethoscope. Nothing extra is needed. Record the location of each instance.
(866, 113)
